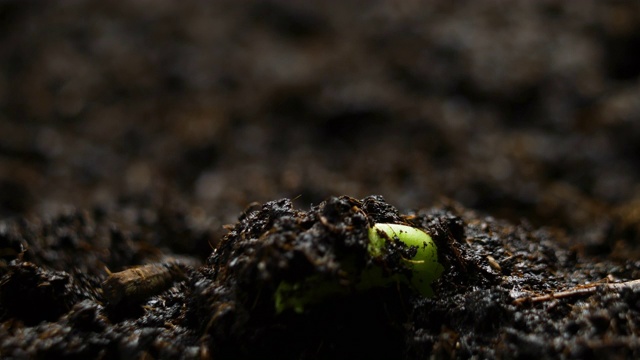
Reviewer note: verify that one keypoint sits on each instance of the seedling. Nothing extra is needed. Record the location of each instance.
(423, 267)
(424, 264)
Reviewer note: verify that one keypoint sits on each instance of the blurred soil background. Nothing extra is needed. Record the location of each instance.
(523, 110)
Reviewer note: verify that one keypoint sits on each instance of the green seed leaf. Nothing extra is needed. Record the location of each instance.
(424, 267)
(424, 264)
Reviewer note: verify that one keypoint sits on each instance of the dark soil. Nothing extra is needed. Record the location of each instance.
(156, 138)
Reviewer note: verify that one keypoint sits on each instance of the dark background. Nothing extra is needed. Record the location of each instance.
(523, 110)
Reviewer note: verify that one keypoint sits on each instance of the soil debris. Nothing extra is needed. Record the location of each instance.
(139, 283)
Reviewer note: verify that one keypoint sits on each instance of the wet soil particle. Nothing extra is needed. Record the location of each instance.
(33, 295)
(278, 243)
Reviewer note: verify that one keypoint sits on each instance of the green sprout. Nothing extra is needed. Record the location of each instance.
(423, 265)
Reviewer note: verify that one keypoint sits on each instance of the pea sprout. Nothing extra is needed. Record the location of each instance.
(423, 265)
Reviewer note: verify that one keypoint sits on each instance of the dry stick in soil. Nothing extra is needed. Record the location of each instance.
(580, 290)
(139, 283)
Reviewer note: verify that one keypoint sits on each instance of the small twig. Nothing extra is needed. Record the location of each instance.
(580, 291)
(141, 282)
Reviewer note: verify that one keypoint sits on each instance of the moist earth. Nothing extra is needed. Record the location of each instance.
(149, 145)
(52, 305)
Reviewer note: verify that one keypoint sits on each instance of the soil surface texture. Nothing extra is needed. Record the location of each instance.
(198, 180)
